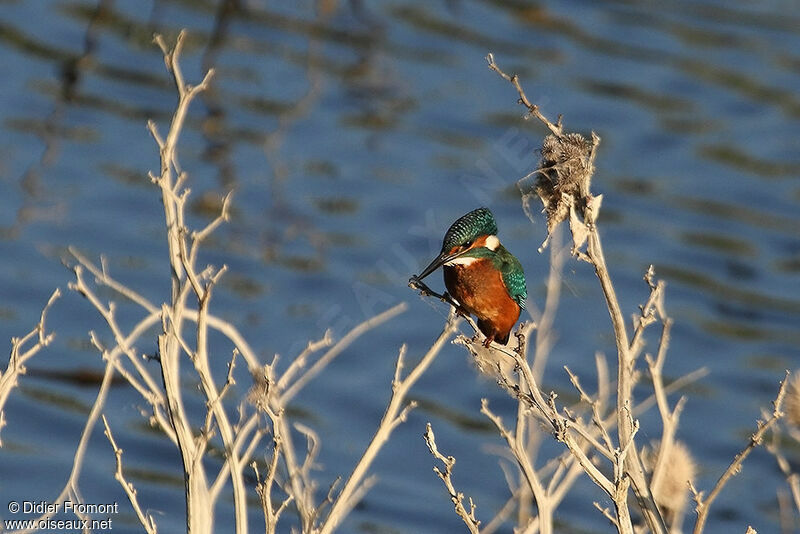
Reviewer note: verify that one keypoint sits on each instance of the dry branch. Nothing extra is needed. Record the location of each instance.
(396, 412)
(146, 519)
(704, 503)
(23, 349)
(456, 497)
(563, 185)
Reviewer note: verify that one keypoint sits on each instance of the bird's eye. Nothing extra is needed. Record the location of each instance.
(467, 244)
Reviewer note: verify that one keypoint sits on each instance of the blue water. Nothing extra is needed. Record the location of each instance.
(352, 135)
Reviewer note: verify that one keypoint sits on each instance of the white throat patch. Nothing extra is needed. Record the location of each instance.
(462, 260)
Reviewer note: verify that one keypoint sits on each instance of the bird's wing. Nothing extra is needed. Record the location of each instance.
(514, 279)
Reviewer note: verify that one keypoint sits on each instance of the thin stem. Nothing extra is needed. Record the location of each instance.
(395, 413)
(704, 504)
(523, 99)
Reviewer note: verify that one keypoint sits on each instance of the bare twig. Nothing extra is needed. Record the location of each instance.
(607, 514)
(300, 361)
(334, 351)
(703, 504)
(225, 328)
(146, 519)
(395, 413)
(21, 353)
(456, 497)
(199, 508)
(71, 490)
(792, 478)
(543, 502)
(523, 99)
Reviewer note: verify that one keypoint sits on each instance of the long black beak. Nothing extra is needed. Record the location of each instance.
(437, 262)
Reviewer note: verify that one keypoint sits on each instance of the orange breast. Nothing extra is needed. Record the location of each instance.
(479, 288)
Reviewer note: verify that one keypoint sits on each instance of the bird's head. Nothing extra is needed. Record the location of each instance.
(471, 237)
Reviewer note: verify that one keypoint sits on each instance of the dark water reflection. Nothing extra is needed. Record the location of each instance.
(352, 133)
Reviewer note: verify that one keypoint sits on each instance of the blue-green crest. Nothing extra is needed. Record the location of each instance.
(472, 225)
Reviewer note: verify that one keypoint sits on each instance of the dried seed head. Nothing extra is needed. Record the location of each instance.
(565, 175)
(792, 402)
(671, 491)
(258, 396)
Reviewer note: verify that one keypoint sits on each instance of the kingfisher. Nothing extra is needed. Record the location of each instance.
(484, 278)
